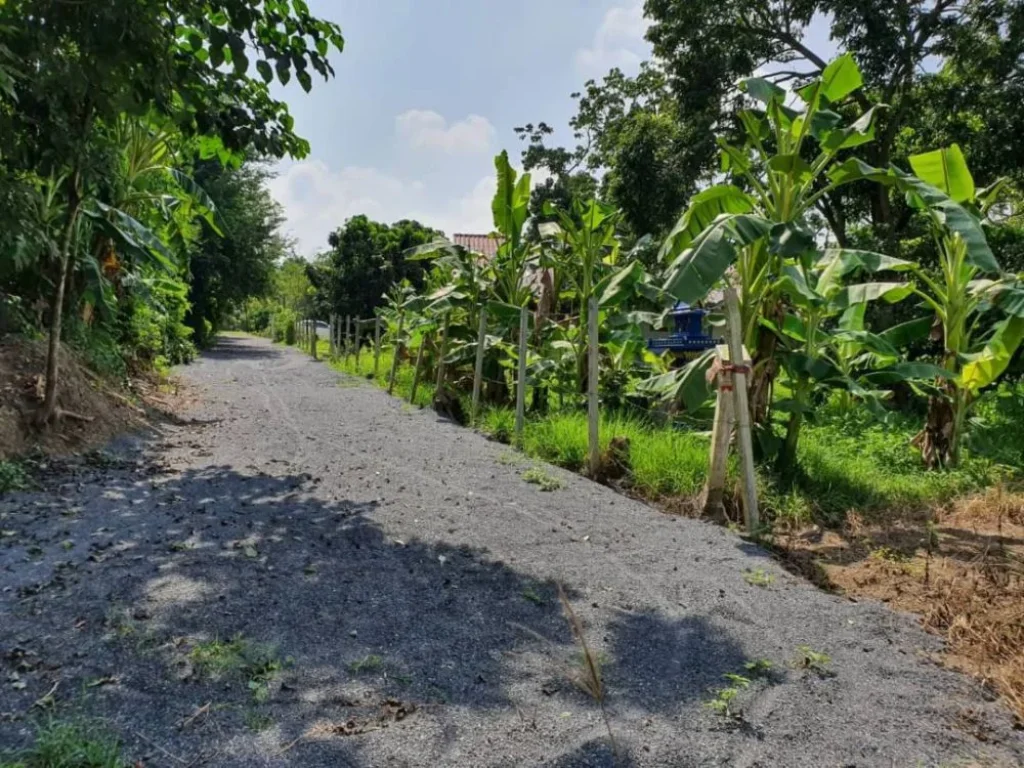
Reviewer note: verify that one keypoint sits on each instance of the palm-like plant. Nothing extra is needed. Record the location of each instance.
(966, 293)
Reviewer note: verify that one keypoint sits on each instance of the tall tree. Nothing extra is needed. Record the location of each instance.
(226, 270)
(366, 258)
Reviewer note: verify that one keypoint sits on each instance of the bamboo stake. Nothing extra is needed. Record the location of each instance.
(442, 351)
(478, 370)
(398, 353)
(376, 346)
(416, 375)
(742, 409)
(714, 489)
(521, 379)
(593, 374)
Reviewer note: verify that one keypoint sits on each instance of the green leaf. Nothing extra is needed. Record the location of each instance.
(198, 195)
(857, 294)
(793, 165)
(862, 131)
(304, 80)
(907, 333)
(954, 216)
(763, 90)
(872, 342)
(134, 236)
(263, 67)
(857, 170)
(840, 78)
(697, 269)
(946, 169)
(687, 386)
(989, 364)
(913, 371)
(839, 262)
(790, 239)
(704, 208)
(618, 285)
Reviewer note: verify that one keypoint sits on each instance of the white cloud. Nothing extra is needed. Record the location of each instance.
(317, 200)
(426, 129)
(619, 42)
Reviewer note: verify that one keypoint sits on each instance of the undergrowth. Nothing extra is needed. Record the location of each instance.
(848, 461)
(67, 745)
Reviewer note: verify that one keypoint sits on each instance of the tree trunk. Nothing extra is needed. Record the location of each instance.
(49, 409)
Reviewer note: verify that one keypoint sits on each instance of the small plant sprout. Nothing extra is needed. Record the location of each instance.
(256, 663)
(808, 658)
(723, 699)
(759, 668)
(589, 679)
(371, 663)
(531, 594)
(539, 477)
(758, 577)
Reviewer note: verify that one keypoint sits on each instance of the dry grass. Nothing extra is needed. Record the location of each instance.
(962, 571)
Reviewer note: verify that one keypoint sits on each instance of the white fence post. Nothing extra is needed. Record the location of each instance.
(521, 379)
(740, 368)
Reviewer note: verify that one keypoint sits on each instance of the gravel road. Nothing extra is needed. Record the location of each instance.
(406, 575)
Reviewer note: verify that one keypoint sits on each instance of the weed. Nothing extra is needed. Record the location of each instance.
(257, 721)
(808, 658)
(530, 594)
(371, 663)
(589, 680)
(68, 745)
(539, 476)
(12, 477)
(758, 577)
(889, 555)
(256, 663)
(510, 459)
(723, 699)
(759, 668)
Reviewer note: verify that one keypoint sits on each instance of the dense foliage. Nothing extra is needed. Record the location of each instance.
(105, 111)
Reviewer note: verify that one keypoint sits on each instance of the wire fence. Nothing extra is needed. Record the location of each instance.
(378, 342)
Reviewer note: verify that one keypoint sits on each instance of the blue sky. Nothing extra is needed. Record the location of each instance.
(427, 92)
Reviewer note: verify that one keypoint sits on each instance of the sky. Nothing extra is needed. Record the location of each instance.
(427, 92)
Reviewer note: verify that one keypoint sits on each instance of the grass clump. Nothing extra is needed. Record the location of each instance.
(371, 663)
(68, 745)
(13, 477)
(540, 477)
(256, 663)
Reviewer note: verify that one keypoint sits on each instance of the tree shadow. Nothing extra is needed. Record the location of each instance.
(172, 561)
(235, 348)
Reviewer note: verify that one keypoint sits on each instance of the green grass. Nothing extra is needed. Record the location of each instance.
(256, 663)
(848, 461)
(68, 745)
(12, 477)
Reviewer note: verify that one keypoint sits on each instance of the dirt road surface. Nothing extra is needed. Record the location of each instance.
(389, 582)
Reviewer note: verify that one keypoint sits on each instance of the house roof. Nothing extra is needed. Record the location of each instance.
(484, 244)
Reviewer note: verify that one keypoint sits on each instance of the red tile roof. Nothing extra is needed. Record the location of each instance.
(484, 244)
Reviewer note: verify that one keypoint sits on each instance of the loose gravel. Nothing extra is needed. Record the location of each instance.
(395, 580)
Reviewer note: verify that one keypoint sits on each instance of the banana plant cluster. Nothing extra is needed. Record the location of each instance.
(802, 308)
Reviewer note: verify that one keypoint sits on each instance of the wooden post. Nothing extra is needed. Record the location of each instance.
(314, 338)
(442, 351)
(478, 370)
(416, 374)
(398, 353)
(330, 335)
(521, 378)
(742, 409)
(721, 435)
(356, 325)
(346, 347)
(376, 346)
(593, 379)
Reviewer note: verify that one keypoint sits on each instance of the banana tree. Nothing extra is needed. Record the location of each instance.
(582, 249)
(756, 235)
(979, 310)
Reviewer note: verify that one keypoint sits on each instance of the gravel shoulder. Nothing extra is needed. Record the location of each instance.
(406, 577)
